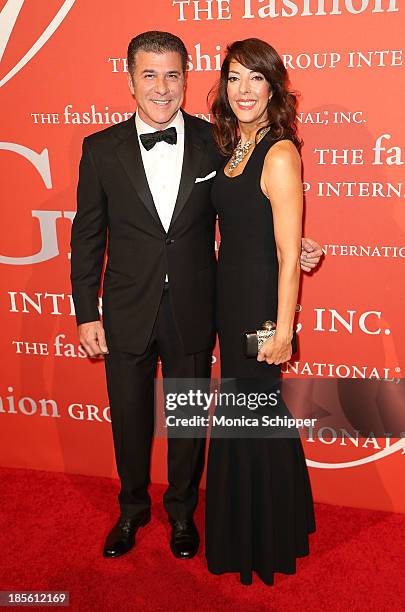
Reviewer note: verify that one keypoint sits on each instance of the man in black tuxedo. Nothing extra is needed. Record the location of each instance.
(144, 195)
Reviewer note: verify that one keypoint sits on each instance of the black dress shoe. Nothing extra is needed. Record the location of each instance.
(185, 539)
(121, 538)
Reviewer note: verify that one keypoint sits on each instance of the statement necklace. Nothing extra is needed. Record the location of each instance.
(241, 151)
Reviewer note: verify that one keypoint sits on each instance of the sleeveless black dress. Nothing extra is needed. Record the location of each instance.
(259, 508)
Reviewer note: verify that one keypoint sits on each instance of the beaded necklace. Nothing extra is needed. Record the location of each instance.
(241, 151)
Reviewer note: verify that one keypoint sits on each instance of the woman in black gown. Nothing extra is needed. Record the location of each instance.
(259, 503)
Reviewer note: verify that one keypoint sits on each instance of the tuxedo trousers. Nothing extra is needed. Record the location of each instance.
(131, 390)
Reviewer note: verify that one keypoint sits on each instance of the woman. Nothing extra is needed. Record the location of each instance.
(259, 501)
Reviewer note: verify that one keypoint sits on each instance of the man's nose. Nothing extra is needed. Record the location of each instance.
(161, 85)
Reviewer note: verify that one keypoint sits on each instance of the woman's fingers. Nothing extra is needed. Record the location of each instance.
(274, 355)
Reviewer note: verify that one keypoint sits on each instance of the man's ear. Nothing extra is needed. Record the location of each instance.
(131, 84)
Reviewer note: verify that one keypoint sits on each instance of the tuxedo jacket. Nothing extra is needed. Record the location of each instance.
(116, 214)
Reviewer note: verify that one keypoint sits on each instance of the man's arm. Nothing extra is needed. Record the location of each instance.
(88, 243)
(311, 253)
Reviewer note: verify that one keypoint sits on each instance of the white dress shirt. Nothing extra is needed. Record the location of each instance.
(163, 164)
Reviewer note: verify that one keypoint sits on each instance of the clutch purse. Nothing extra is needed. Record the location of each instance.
(254, 340)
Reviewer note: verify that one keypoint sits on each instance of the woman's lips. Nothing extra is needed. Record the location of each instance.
(245, 104)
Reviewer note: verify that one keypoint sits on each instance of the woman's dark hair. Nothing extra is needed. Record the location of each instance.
(259, 56)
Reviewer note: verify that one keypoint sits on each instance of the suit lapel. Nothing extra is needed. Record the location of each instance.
(193, 151)
(129, 154)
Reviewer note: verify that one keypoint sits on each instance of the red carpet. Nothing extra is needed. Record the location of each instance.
(53, 526)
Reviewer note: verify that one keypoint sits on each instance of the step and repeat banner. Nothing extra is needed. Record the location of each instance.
(63, 75)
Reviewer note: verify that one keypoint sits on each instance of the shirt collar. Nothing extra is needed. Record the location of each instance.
(144, 128)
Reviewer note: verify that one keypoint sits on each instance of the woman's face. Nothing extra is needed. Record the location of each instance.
(248, 94)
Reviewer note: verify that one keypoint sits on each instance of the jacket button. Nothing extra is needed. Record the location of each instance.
(169, 241)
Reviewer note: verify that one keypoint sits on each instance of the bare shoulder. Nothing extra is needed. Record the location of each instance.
(283, 155)
(281, 169)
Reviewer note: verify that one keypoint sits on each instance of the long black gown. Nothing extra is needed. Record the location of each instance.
(259, 508)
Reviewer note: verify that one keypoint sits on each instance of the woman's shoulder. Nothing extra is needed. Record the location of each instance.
(281, 152)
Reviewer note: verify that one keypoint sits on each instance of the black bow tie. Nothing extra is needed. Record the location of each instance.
(150, 139)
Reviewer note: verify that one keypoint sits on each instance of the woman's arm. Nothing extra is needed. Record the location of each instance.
(281, 183)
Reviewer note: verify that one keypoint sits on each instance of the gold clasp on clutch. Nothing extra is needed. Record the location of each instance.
(268, 325)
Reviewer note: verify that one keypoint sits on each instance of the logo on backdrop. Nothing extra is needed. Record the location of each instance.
(209, 10)
(385, 452)
(47, 219)
(8, 18)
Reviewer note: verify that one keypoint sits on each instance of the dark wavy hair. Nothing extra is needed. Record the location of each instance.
(259, 56)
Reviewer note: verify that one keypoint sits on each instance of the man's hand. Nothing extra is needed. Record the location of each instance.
(92, 339)
(311, 253)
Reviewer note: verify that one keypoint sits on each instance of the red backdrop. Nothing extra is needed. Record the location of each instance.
(62, 76)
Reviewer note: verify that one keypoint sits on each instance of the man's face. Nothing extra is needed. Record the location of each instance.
(157, 83)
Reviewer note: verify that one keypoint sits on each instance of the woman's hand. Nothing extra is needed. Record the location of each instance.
(276, 349)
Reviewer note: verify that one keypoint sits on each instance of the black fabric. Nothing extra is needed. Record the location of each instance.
(130, 381)
(141, 319)
(259, 503)
(116, 211)
(149, 139)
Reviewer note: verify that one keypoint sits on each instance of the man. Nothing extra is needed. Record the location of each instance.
(145, 185)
